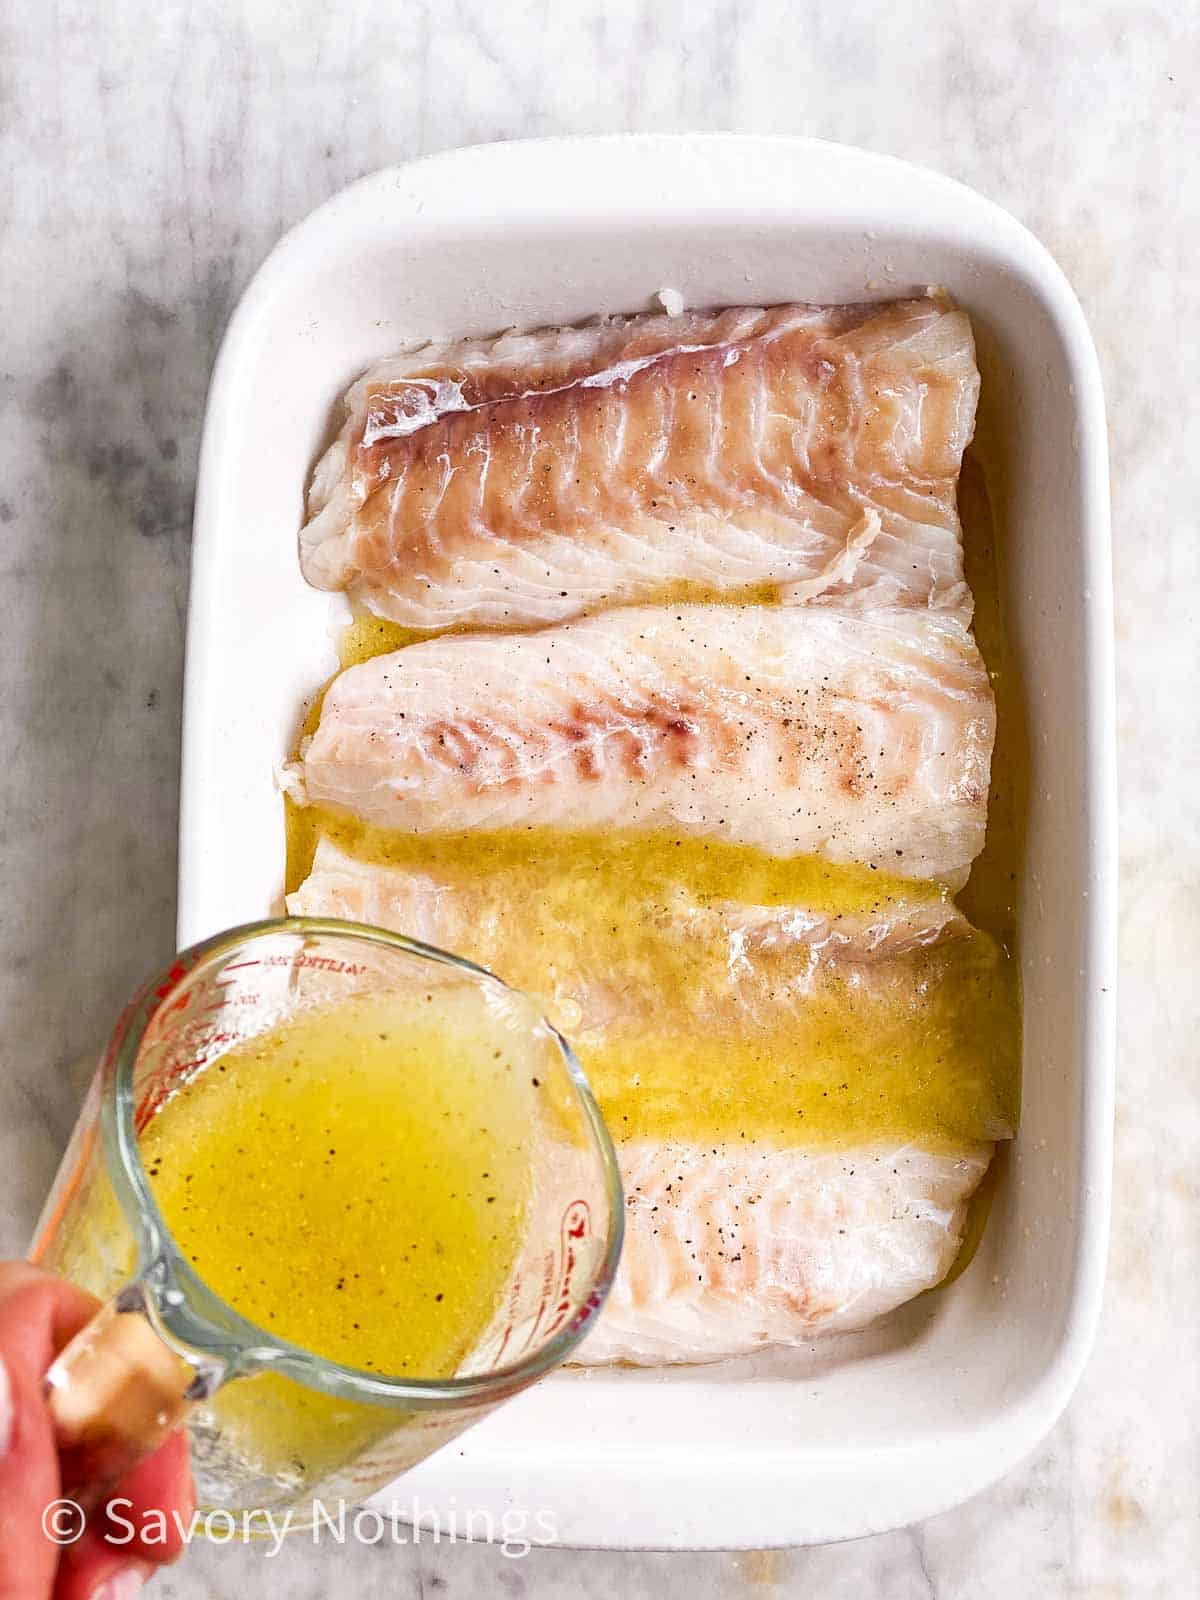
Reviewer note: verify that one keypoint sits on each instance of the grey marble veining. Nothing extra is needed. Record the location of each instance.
(150, 155)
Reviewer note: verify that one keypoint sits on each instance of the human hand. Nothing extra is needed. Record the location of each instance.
(38, 1315)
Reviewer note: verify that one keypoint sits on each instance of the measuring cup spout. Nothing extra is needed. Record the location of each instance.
(120, 1387)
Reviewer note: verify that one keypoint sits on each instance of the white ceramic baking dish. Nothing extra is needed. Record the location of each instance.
(797, 1446)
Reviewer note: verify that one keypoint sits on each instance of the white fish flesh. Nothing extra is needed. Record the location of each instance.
(857, 737)
(732, 1251)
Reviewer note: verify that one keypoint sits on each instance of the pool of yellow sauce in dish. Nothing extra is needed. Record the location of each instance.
(701, 1037)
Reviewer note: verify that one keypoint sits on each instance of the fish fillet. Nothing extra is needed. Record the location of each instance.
(530, 478)
(857, 737)
(728, 1252)
(733, 965)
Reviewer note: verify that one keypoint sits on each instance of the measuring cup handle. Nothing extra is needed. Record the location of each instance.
(116, 1391)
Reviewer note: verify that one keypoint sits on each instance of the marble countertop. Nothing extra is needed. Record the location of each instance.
(150, 162)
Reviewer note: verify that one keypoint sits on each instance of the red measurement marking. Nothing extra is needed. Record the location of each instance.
(510, 1328)
(558, 1268)
(226, 1002)
(168, 1008)
(543, 1302)
(167, 1078)
(352, 969)
(576, 1224)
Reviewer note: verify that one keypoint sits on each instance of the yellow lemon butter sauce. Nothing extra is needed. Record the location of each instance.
(368, 636)
(690, 1030)
(355, 1180)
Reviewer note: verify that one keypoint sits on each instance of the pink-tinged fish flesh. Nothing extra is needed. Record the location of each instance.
(857, 737)
(527, 479)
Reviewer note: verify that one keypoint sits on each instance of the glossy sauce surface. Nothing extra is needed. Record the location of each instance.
(692, 1028)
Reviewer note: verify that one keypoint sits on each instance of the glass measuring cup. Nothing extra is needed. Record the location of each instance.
(274, 1426)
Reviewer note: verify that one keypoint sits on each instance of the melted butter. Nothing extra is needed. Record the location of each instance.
(685, 592)
(553, 862)
(333, 1189)
(851, 1068)
(990, 897)
(367, 635)
(336, 1190)
(687, 1030)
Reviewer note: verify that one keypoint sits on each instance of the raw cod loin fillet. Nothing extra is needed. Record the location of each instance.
(526, 479)
(757, 1246)
(858, 737)
(736, 967)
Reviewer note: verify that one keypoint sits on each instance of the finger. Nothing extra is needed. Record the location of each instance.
(44, 1324)
(158, 1499)
(154, 1503)
(28, 1482)
(94, 1572)
(38, 1314)
(143, 1523)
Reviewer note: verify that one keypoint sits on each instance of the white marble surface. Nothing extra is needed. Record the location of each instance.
(149, 162)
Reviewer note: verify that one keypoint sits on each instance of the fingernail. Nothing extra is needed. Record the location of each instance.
(124, 1583)
(6, 1410)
